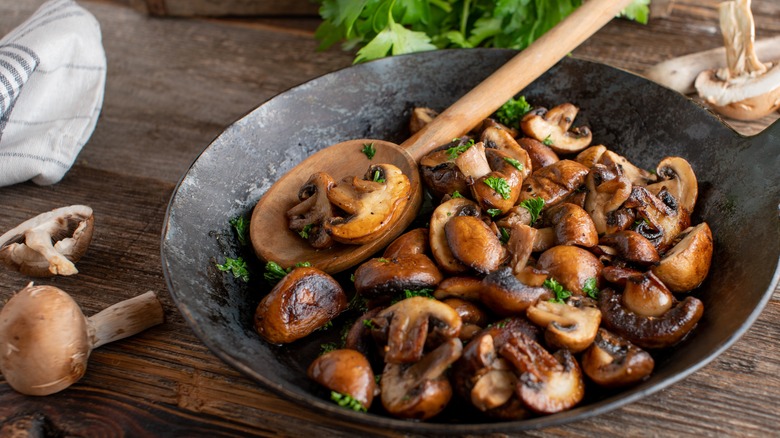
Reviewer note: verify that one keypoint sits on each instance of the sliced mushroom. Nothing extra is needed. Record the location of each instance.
(308, 218)
(50, 243)
(554, 128)
(572, 325)
(685, 266)
(440, 173)
(631, 247)
(678, 178)
(571, 266)
(505, 295)
(473, 316)
(613, 362)
(500, 139)
(438, 238)
(347, 372)
(607, 190)
(466, 288)
(420, 390)
(649, 331)
(383, 278)
(474, 244)
(500, 188)
(636, 175)
(359, 336)
(746, 89)
(421, 116)
(473, 162)
(520, 246)
(591, 156)
(303, 301)
(411, 323)
(664, 218)
(554, 182)
(371, 204)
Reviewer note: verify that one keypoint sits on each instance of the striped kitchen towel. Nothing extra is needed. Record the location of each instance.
(52, 79)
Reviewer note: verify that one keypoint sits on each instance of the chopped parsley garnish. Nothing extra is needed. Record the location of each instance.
(561, 294)
(378, 177)
(274, 272)
(424, 292)
(454, 151)
(547, 141)
(499, 185)
(237, 267)
(493, 212)
(369, 324)
(326, 326)
(304, 233)
(328, 347)
(369, 150)
(358, 303)
(456, 194)
(346, 401)
(241, 225)
(512, 111)
(504, 235)
(591, 288)
(517, 164)
(534, 206)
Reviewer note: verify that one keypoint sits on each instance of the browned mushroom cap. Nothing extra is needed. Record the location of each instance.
(554, 182)
(664, 218)
(540, 154)
(303, 301)
(631, 247)
(607, 190)
(474, 244)
(421, 116)
(473, 316)
(572, 225)
(410, 324)
(495, 138)
(500, 188)
(420, 390)
(591, 156)
(649, 331)
(646, 295)
(384, 278)
(346, 372)
(613, 362)
(572, 325)
(555, 129)
(371, 204)
(571, 266)
(678, 178)
(438, 238)
(466, 288)
(505, 295)
(686, 265)
(309, 216)
(50, 243)
(359, 334)
(440, 173)
(548, 383)
(411, 242)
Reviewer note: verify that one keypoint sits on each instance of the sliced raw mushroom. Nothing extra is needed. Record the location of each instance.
(663, 219)
(685, 266)
(649, 331)
(308, 218)
(613, 362)
(677, 177)
(571, 266)
(50, 243)
(410, 324)
(554, 182)
(747, 89)
(631, 247)
(303, 301)
(474, 244)
(438, 238)
(370, 203)
(45, 339)
(421, 116)
(347, 372)
(549, 383)
(505, 295)
(572, 325)
(383, 278)
(554, 129)
(420, 390)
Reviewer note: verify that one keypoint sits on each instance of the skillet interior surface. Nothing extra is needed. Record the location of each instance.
(738, 197)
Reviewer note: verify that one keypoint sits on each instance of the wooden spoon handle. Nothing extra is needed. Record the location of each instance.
(513, 76)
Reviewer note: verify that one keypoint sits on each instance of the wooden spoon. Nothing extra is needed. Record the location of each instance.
(273, 241)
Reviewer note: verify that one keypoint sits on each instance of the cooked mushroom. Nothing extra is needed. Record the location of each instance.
(499, 188)
(540, 154)
(474, 244)
(631, 247)
(466, 288)
(554, 128)
(359, 336)
(347, 372)
(420, 390)
(383, 278)
(521, 244)
(646, 295)
(50, 243)
(549, 383)
(663, 217)
(572, 225)
(421, 116)
(410, 324)
(499, 139)
(308, 218)
(746, 89)
(45, 339)
(685, 266)
(440, 173)
(636, 175)
(472, 161)
(554, 182)
(438, 238)
(607, 190)
(649, 331)
(473, 316)
(613, 362)
(371, 204)
(303, 301)
(572, 325)
(678, 178)
(505, 295)
(411, 242)
(571, 266)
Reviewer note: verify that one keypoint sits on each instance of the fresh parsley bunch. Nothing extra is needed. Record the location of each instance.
(393, 27)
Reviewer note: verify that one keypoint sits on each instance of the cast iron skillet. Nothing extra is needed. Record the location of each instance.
(738, 197)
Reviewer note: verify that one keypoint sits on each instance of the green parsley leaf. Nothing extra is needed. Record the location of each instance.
(534, 206)
(241, 225)
(369, 150)
(369, 324)
(547, 141)
(591, 288)
(424, 292)
(456, 194)
(517, 164)
(347, 401)
(454, 151)
(274, 273)
(301, 265)
(395, 39)
(493, 212)
(638, 11)
(561, 294)
(237, 267)
(504, 235)
(512, 111)
(383, 260)
(328, 347)
(326, 326)
(378, 177)
(304, 233)
(499, 185)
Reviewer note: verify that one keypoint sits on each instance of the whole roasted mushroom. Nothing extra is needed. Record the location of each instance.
(50, 243)
(685, 266)
(646, 295)
(554, 128)
(440, 173)
(474, 244)
(613, 362)
(571, 266)
(383, 278)
(572, 225)
(346, 372)
(505, 295)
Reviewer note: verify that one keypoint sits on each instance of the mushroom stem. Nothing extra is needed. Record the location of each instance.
(126, 318)
(738, 28)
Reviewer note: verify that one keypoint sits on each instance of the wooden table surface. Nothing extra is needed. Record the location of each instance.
(173, 85)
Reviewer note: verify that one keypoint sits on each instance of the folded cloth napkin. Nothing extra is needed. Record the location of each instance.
(52, 79)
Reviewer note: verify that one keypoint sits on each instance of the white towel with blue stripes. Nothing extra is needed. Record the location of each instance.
(52, 80)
